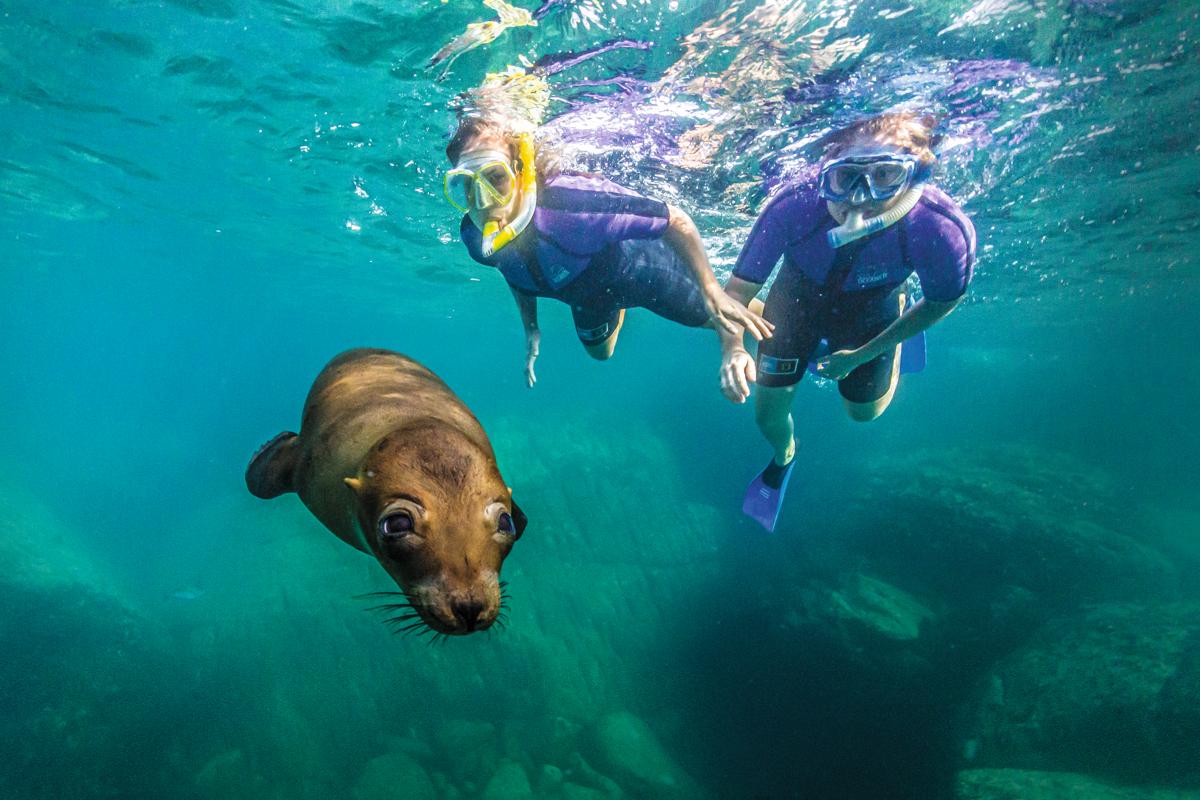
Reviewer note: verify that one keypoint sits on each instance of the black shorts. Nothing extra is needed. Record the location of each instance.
(854, 318)
(636, 273)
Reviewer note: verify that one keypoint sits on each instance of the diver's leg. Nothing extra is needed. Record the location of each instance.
(651, 275)
(783, 359)
(773, 413)
(603, 350)
(886, 375)
(598, 330)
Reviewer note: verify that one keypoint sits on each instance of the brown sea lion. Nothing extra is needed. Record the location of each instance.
(391, 461)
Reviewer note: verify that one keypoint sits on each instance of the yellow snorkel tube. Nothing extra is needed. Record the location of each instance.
(496, 238)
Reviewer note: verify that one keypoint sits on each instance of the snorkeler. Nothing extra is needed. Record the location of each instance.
(581, 239)
(850, 237)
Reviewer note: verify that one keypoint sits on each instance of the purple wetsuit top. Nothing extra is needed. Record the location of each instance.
(577, 217)
(935, 239)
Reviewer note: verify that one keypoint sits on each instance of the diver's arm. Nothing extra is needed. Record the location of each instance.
(726, 313)
(741, 289)
(924, 314)
(527, 306)
(737, 366)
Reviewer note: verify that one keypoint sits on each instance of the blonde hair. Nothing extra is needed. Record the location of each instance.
(471, 127)
(907, 130)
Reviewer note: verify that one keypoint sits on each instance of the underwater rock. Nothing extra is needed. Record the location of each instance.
(965, 525)
(1114, 691)
(393, 776)
(410, 746)
(40, 552)
(867, 627)
(550, 778)
(573, 791)
(462, 736)
(1016, 784)
(585, 774)
(626, 748)
(227, 775)
(867, 607)
(469, 748)
(86, 678)
(549, 740)
(508, 782)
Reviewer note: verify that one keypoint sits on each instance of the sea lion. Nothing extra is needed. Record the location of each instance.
(392, 462)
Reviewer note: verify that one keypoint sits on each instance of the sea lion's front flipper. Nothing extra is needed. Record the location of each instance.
(270, 473)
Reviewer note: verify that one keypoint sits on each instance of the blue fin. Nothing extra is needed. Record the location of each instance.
(762, 503)
(912, 354)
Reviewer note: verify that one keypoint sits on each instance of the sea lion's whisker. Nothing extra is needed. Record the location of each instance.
(379, 594)
(391, 607)
(400, 619)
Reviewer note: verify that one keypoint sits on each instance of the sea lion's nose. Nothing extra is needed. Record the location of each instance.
(467, 612)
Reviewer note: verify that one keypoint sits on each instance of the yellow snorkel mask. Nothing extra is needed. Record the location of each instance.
(485, 179)
(481, 180)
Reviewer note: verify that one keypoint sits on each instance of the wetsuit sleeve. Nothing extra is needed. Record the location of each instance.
(582, 215)
(768, 239)
(944, 256)
(473, 239)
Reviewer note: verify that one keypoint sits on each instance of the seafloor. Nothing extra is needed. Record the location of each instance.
(1000, 631)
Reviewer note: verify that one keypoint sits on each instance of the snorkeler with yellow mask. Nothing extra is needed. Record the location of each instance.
(583, 240)
(850, 237)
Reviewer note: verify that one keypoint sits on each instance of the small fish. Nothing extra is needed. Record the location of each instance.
(478, 34)
(186, 593)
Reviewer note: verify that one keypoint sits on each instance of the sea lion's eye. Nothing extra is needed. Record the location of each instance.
(396, 524)
(505, 524)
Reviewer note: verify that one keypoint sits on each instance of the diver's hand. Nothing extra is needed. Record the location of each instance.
(532, 341)
(727, 313)
(836, 366)
(737, 373)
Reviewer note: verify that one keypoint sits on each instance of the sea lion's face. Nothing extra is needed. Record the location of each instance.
(439, 518)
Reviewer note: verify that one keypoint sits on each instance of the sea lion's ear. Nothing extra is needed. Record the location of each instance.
(354, 483)
(519, 518)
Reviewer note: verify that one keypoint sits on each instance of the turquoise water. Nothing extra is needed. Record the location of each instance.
(989, 592)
